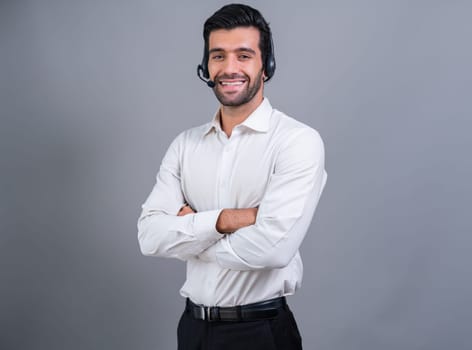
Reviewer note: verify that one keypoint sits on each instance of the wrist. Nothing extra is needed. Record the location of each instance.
(231, 220)
(222, 222)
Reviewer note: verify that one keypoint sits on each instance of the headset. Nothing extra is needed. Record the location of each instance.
(269, 65)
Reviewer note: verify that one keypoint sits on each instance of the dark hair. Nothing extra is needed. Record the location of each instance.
(238, 15)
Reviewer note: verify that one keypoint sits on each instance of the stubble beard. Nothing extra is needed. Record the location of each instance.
(243, 97)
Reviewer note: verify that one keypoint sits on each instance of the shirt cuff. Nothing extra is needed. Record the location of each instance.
(228, 259)
(204, 225)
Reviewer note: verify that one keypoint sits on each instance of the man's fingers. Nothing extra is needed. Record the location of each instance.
(186, 209)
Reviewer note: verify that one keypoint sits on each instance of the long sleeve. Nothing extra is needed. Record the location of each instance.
(285, 211)
(160, 231)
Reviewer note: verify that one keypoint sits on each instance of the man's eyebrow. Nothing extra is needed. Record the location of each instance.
(246, 49)
(216, 49)
(240, 49)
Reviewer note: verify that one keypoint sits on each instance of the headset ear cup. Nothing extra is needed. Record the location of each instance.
(205, 72)
(269, 67)
(270, 61)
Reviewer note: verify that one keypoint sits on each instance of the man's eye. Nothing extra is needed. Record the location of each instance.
(217, 57)
(244, 57)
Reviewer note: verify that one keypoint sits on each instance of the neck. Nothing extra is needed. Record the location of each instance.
(232, 116)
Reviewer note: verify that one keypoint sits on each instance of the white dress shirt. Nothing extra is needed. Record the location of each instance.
(272, 162)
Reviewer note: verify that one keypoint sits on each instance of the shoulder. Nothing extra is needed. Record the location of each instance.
(299, 146)
(292, 132)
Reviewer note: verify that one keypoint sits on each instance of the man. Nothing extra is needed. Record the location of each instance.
(234, 198)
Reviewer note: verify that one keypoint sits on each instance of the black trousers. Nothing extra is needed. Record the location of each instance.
(278, 333)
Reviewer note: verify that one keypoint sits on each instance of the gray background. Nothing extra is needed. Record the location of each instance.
(93, 92)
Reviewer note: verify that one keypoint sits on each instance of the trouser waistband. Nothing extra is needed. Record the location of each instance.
(248, 312)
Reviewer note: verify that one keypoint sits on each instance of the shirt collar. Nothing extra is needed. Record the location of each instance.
(259, 120)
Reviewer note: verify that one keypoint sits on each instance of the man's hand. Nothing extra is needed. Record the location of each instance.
(186, 209)
(231, 220)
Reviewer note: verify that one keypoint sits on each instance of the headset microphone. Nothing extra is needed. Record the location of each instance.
(209, 82)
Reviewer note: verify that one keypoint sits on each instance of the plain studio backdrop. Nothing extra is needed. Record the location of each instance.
(93, 92)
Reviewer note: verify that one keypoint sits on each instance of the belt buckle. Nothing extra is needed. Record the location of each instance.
(204, 313)
(208, 313)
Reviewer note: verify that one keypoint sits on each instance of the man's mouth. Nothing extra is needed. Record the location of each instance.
(231, 83)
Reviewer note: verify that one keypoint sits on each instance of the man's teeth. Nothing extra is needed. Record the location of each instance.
(232, 83)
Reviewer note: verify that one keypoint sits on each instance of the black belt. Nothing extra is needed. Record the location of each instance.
(256, 311)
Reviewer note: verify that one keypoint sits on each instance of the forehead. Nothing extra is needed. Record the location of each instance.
(230, 39)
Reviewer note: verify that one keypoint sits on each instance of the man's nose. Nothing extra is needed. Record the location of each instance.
(231, 65)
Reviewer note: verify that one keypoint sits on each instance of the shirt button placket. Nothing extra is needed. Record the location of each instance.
(226, 171)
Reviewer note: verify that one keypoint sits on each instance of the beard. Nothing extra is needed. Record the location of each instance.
(241, 97)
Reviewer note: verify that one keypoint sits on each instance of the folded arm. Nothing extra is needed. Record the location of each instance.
(161, 231)
(284, 213)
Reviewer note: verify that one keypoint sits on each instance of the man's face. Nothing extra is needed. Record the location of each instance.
(235, 65)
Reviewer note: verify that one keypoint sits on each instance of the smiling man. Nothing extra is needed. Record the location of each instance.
(235, 197)
(239, 46)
